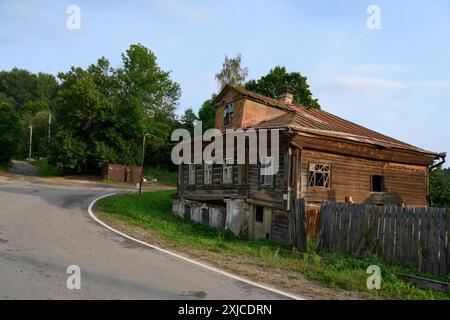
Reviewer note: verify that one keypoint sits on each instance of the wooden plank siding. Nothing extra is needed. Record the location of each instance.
(351, 176)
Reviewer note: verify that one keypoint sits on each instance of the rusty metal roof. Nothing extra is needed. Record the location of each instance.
(321, 123)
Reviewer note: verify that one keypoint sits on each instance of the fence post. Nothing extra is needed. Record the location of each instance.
(300, 213)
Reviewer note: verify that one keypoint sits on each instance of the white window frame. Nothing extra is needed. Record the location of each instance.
(315, 170)
(267, 179)
(207, 173)
(227, 171)
(228, 110)
(192, 174)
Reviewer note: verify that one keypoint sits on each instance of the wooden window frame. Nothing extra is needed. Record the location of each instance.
(229, 168)
(263, 177)
(312, 175)
(207, 172)
(383, 188)
(192, 174)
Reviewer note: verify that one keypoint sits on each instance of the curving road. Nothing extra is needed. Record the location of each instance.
(44, 229)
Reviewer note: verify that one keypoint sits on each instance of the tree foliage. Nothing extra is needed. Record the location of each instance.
(440, 187)
(31, 94)
(102, 113)
(232, 72)
(279, 80)
(9, 129)
(207, 113)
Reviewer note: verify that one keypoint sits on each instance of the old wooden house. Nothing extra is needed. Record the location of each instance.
(321, 157)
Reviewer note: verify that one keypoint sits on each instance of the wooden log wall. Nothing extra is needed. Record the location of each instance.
(351, 176)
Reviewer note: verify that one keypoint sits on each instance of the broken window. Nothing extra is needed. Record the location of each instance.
(259, 217)
(227, 172)
(266, 171)
(319, 175)
(207, 173)
(377, 184)
(192, 174)
(228, 114)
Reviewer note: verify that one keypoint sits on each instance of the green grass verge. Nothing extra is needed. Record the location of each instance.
(45, 169)
(163, 176)
(153, 212)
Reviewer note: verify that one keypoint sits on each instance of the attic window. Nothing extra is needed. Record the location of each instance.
(377, 183)
(228, 114)
(319, 175)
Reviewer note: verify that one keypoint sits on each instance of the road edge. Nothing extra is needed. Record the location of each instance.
(181, 257)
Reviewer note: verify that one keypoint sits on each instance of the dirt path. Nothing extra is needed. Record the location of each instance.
(21, 167)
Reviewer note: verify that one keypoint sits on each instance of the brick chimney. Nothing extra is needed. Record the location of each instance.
(287, 96)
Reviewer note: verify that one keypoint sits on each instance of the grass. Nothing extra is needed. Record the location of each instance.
(153, 213)
(45, 169)
(162, 175)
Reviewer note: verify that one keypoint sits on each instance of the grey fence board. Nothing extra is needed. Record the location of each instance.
(416, 237)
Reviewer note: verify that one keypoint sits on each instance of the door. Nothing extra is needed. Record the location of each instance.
(262, 222)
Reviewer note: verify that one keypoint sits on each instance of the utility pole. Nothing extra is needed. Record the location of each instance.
(31, 141)
(142, 163)
(49, 132)
(142, 159)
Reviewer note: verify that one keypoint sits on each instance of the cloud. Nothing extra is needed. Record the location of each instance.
(379, 84)
(367, 83)
(375, 68)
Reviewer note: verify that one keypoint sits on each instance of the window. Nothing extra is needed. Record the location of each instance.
(207, 173)
(192, 174)
(266, 171)
(319, 175)
(227, 172)
(259, 217)
(228, 114)
(377, 183)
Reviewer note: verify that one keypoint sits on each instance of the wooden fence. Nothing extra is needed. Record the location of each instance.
(416, 237)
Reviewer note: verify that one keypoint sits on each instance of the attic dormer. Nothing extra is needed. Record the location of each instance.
(239, 108)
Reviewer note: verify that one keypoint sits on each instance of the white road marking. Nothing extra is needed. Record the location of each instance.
(200, 264)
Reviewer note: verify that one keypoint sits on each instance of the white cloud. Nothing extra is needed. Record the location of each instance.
(367, 83)
(379, 84)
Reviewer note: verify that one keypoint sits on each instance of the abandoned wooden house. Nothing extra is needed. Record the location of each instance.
(321, 157)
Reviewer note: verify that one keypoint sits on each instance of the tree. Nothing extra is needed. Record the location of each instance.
(440, 187)
(232, 72)
(188, 120)
(9, 128)
(147, 88)
(279, 80)
(102, 113)
(30, 94)
(207, 113)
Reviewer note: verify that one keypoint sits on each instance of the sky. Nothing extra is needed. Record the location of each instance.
(394, 79)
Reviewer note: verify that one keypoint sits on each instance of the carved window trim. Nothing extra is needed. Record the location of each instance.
(319, 175)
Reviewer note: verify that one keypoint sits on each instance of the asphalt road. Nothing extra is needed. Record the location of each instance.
(44, 229)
